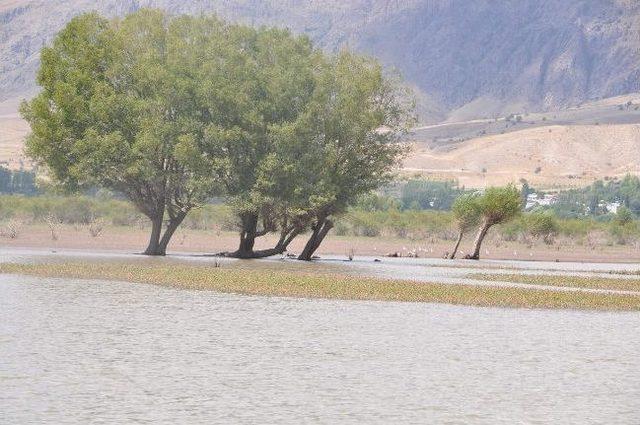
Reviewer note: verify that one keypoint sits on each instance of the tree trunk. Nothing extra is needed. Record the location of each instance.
(320, 230)
(247, 236)
(478, 242)
(169, 231)
(455, 248)
(246, 245)
(154, 241)
(263, 253)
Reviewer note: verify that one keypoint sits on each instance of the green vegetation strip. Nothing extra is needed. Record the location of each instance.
(566, 281)
(305, 285)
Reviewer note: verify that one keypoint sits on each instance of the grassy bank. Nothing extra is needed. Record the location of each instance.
(567, 281)
(326, 286)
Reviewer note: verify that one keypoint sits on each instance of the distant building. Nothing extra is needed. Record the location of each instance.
(540, 200)
(610, 207)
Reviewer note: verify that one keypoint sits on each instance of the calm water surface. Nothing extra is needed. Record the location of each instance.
(102, 352)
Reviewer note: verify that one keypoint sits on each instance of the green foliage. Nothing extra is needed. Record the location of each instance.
(500, 204)
(427, 194)
(66, 209)
(409, 224)
(623, 216)
(270, 80)
(543, 225)
(467, 212)
(623, 234)
(374, 202)
(623, 228)
(20, 182)
(346, 143)
(122, 107)
(592, 200)
(170, 110)
(84, 209)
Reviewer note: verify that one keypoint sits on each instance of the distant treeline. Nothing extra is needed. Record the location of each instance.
(360, 221)
(17, 182)
(594, 201)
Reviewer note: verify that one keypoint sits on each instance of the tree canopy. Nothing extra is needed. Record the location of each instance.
(351, 136)
(467, 212)
(171, 110)
(497, 205)
(121, 107)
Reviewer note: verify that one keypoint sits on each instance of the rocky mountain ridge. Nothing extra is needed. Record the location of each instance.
(465, 58)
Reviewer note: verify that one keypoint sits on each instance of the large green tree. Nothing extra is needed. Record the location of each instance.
(351, 138)
(272, 80)
(125, 105)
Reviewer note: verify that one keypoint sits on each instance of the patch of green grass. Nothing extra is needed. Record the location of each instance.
(566, 281)
(327, 286)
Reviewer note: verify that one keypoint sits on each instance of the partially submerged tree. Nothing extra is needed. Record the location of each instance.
(122, 107)
(466, 216)
(497, 205)
(271, 80)
(164, 109)
(353, 131)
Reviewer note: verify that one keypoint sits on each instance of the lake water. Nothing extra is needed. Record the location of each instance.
(82, 352)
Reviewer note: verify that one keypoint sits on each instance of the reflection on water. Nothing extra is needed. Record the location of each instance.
(80, 352)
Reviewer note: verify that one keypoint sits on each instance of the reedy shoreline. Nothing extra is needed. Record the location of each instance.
(297, 284)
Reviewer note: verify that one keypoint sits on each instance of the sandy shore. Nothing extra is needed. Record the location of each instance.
(187, 240)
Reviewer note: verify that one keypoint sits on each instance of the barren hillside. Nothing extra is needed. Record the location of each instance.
(549, 156)
(565, 67)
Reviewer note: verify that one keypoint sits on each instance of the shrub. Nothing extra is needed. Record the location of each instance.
(542, 225)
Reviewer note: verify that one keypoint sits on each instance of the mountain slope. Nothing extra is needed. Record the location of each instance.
(548, 157)
(470, 57)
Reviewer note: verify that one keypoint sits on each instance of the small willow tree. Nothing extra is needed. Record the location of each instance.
(466, 216)
(497, 205)
(125, 104)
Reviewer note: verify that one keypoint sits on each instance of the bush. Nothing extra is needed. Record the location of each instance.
(624, 233)
(542, 225)
(83, 210)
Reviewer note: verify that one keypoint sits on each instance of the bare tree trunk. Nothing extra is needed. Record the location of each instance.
(247, 236)
(173, 224)
(320, 230)
(478, 242)
(154, 241)
(455, 248)
(263, 253)
(247, 252)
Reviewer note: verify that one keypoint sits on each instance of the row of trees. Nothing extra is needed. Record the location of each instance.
(592, 199)
(17, 181)
(423, 194)
(171, 111)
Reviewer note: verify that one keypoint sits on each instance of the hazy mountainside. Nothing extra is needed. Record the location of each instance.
(467, 59)
(547, 157)
(470, 57)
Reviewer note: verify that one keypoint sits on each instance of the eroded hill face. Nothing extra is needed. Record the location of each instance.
(547, 157)
(473, 57)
